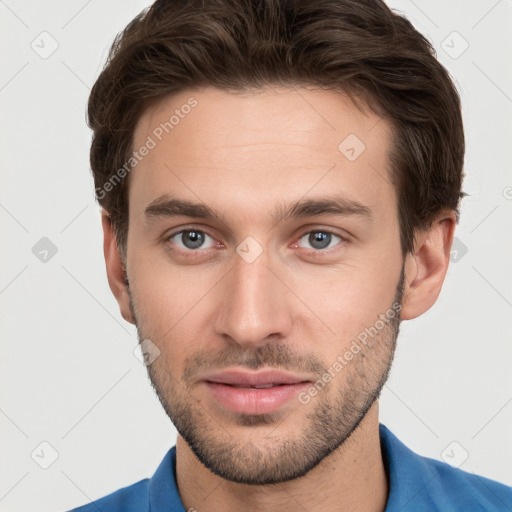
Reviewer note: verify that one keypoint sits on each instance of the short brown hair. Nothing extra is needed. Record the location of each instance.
(359, 47)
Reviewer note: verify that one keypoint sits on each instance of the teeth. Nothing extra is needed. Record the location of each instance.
(258, 386)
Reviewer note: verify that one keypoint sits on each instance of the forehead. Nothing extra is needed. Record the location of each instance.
(248, 150)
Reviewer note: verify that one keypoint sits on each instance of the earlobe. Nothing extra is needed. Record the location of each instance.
(426, 266)
(116, 273)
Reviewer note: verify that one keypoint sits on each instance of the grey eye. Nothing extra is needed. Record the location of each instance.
(190, 239)
(320, 239)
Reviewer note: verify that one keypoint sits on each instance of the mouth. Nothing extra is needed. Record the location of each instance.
(263, 392)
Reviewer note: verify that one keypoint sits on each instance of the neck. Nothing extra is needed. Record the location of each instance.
(351, 478)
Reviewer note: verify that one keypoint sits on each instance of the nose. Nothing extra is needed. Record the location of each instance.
(254, 305)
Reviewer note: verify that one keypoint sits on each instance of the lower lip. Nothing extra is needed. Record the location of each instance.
(252, 400)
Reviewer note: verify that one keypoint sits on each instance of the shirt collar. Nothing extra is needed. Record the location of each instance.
(163, 487)
(408, 475)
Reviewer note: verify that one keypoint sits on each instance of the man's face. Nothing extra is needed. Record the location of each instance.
(227, 299)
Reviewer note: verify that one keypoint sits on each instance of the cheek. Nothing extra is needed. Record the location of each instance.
(166, 292)
(348, 301)
(172, 308)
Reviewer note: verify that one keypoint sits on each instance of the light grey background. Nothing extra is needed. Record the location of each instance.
(69, 376)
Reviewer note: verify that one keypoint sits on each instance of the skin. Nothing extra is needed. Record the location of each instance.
(208, 309)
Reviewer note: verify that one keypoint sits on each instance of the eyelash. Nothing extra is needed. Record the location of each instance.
(311, 252)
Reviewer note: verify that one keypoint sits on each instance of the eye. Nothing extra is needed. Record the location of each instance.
(321, 240)
(191, 239)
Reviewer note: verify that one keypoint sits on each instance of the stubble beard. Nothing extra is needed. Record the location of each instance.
(278, 457)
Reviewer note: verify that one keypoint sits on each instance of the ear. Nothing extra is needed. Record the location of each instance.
(426, 266)
(116, 273)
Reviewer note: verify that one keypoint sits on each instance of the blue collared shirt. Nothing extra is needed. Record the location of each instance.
(416, 484)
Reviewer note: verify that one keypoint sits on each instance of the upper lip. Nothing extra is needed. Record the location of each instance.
(242, 377)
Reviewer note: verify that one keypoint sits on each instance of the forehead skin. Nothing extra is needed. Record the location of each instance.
(243, 154)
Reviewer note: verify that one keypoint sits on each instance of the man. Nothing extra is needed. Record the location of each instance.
(280, 183)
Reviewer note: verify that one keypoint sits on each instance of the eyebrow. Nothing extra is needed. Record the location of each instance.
(166, 206)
